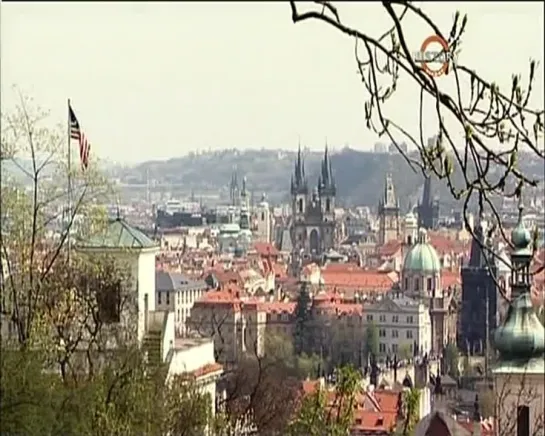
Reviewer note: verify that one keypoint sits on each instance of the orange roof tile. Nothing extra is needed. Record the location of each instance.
(207, 369)
(365, 280)
(266, 249)
(278, 307)
(390, 249)
(450, 278)
(366, 421)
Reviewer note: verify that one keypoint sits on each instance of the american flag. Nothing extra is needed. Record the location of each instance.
(78, 135)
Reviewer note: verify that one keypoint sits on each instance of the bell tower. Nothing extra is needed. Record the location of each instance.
(299, 198)
(388, 213)
(327, 191)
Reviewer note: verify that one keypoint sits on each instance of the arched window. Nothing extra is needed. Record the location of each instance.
(300, 205)
(328, 205)
(262, 216)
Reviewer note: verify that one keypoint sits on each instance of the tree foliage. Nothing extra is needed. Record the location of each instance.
(329, 412)
(303, 331)
(452, 358)
(410, 411)
(70, 362)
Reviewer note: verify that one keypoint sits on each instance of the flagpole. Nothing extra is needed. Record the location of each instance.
(69, 157)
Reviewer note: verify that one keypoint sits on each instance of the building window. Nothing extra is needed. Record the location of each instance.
(409, 334)
(394, 348)
(300, 205)
(416, 284)
(109, 303)
(523, 421)
(395, 318)
(410, 320)
(382, 333)
(406, 282)
(369, 317)
(382, 348)
(328, 205)
(395, 334)
(262, 216)
(168, 298)
(382, 318)
(159, 295)
(430, 284)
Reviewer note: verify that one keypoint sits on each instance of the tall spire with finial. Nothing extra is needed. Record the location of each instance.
(298, 180)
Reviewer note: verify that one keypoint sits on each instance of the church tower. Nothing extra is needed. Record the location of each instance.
(313, 226)
(388, 213)
(299, 196)
(234, 192)
(428, 209)
(327, 191)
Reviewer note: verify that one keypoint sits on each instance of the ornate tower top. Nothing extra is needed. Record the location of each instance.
(298, 180)
(326, 182)
(389, 199)
(521, 339)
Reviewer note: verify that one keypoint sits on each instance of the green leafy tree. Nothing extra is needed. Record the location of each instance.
(60, 372)
(121, 398)
(405, 352)
(452, 359)
(303, 322)
(329, 413)
(410, 411)
(371, 340)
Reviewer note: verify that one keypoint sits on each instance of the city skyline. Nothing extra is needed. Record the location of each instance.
(155, 81)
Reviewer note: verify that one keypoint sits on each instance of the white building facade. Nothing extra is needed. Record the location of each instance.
(404, 325)
(174, 292)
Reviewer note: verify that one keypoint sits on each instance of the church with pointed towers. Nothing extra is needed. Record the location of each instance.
(313, 226)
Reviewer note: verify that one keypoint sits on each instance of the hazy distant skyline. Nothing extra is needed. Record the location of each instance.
(158, 80)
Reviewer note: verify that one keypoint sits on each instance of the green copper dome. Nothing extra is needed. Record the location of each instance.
(521, 237)
(522, 336)
(422, 257)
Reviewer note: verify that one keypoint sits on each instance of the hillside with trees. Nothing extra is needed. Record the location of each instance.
(359, 174)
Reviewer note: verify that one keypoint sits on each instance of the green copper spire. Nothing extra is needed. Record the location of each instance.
(521, 339)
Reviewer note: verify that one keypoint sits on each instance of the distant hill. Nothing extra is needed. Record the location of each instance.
(359, 175)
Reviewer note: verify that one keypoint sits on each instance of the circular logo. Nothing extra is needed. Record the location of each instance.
(443, 68)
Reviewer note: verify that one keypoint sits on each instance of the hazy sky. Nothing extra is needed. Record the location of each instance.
(157, 80)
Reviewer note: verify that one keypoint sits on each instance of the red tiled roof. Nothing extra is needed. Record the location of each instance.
(445, 245)
(390, 249)
(278, 307)
(266, 249)
(207, 369)
(366, 421)
(364, 280)
(487, 426)
(450, 278)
